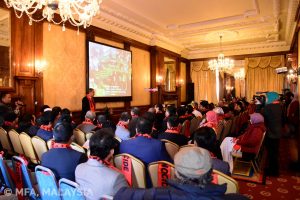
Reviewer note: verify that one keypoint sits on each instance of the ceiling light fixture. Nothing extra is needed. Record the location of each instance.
(77, 12)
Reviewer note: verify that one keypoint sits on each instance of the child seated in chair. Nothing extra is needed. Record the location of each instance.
(248, 143)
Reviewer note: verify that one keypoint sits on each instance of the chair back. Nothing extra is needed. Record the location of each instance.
(195, 122)
(39, 146)
(5, 141)
(22, 172)
(119, 139)
(160, 172)
(260, 145)
(69, 190)
(89, 135)
(171, 148)
(47, 183)
(15, 141)
(28, 148)
(5, 177)
(132, 168)
(220, 178)
(49, 143)
(79, 136)
(186, 146)
(76, 147)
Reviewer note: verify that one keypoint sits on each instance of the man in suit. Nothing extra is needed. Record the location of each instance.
(88, 103)
(97, 177)
(173, 132)
(122, 127)
(144, 147)
(88, 124)
(135, 113)
(61, 158)
(46, 130)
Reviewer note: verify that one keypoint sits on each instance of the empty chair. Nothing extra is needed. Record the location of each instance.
(69, 190)
(5, 141)
(220, 178)
(28, 148)
(20, 164)
(159, 173)
(47, 183)
(137, 175)
(15, 141)
(79, 136)
(171, 148)
(39, 146)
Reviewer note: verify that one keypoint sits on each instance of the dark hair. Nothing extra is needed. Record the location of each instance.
(143, 126)
(43, 108)
(190, 109)
(171, 110)
(101, 119)
(90, 90)
(3, 94)
(149, 116)
(25, 121)
(204, 103)
(181, 111)
(205, 138)
(10, 116)
(101, 143)
(160, 107)
(62, 132)
(135, 110)
(46, 118)
(173, 121)
(55, 112)
(125, 116)
(65, 111)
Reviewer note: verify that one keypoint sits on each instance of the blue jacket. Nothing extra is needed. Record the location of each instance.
(177, 191)
(147, 150)
(45, 135)
(63, 162)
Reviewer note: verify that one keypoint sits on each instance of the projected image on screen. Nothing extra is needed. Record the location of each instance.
(109, 70)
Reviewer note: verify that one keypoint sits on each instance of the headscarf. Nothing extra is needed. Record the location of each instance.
(272, 96)
(212, 119)
(256, 118)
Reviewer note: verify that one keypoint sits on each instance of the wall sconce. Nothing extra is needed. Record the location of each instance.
(229, 88)
(40, 66)
(180, 82)
(292, 76)
(159, 80)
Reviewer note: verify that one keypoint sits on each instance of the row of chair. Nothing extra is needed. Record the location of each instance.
(33, 148)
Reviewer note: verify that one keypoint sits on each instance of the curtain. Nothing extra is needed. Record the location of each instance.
(261, 75)
(204, 81)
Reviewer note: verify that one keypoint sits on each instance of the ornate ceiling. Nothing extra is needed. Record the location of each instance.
(192, 27)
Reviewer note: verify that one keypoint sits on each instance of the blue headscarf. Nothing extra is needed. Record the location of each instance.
(272, 96)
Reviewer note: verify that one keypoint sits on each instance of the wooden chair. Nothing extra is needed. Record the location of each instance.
(28, 148)
(79, 136)
(171, 148)
(78, 148)
(252, 170)
(39, 146)
(220, 178)
(161, 171)
(4, 139)
(15, 141)
(186, 146)
(138, 173)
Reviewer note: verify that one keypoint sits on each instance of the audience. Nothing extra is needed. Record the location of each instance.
(45, 131)
(205, 137)
(97, 177)
(61, 158)
(10, 121)
(173, 132)
(193, 180)
(88, 124)
(122, 127)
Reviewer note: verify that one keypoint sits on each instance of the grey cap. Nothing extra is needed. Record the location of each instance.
(192, 162)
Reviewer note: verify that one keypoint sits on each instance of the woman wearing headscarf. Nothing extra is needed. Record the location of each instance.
(211, 120)
(248, 143)
(273, 122)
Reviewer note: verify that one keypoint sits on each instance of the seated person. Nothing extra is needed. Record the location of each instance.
(10, 121)
(205, 137)
(45, 131)
(26, 122)
(87, 125)
(193, 180)
(135, 113)
(173, 132)
(144, 147)
(122, 127)
(61, 158)
(211, 120)
(170, 111)
(97, 177)
(159, 117)
(247, 143)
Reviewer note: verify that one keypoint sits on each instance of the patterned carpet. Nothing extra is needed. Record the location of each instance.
(286, 186)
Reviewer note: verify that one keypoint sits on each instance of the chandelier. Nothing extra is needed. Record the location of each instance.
(77, 12)
(239, 75)
(221, 64)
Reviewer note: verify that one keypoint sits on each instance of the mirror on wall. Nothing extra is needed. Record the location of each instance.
(5, 49)
(170, 74)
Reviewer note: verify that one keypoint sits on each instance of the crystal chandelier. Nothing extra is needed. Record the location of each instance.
(77, 12)
(222, 64)
(239, 75)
